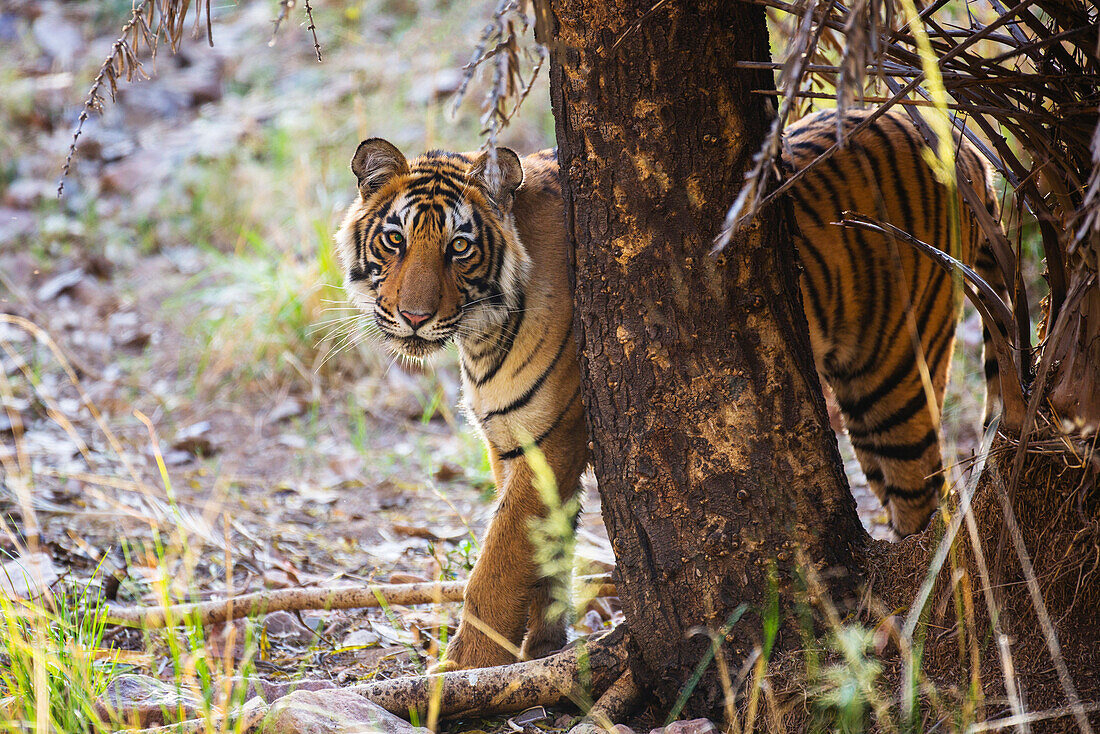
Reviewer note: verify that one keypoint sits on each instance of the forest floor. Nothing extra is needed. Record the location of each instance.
(240, 436)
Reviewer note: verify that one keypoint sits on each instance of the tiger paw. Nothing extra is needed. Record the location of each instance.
(443, 665)
(544, 640)
(471, 649)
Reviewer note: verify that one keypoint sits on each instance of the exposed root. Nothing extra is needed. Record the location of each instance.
(290, 600)
(614, 705)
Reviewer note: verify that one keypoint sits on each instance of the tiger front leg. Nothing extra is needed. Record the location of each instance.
(494, 614)
(548, 618)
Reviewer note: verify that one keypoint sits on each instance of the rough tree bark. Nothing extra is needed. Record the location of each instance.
(712, 447)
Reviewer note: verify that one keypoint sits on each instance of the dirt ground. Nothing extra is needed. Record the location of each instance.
(183, 372)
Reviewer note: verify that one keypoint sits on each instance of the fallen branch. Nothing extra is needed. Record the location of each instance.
(544, 682)
(291, 600)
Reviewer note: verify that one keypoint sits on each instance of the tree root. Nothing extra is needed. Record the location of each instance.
(616, 702)
(289, 600)
(576, 674)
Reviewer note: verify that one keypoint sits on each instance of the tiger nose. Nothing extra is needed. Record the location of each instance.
(414, 318)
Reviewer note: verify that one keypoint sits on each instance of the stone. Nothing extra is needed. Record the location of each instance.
(195, 439)
(142, 701)
(26, 193)
(285, 627)
(58, 284)
(270, 691)
(360, 638)
(334, 711)
(691, 726)
(27, 577)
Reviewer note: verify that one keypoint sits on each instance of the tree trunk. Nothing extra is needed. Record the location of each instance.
(712, 448)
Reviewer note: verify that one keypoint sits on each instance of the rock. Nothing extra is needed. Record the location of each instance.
(270, 691)
(194, 439)
(565, 721)
(134, 171)
(285, 627)
(587, 726)
(146, 702)
(692, 726)
(360, 638)
(333, 711)
(26, 193)
(291, 441)
(177, 458)
(27, 576)
(59, 38)
(58, 284)
(288, 408)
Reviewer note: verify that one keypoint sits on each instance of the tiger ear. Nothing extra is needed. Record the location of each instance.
(501, 180)
(375, 162)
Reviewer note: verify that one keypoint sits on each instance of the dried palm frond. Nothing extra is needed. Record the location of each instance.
(152, 23)
(1035, 80)
(503, 43)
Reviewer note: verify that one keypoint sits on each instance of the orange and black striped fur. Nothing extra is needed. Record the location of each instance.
(457, 246)
(451, 246)
(870, 301)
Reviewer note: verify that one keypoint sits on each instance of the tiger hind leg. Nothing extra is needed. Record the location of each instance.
(896, 440)
(910, 489)
(987, 268)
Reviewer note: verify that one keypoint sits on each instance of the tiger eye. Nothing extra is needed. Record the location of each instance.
(459, 246)
(396, 239)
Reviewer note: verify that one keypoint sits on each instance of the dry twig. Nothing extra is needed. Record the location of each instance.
(342, 597)
(151, 23)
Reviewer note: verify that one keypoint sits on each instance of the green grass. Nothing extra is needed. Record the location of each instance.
(55, 662)
(256, 318)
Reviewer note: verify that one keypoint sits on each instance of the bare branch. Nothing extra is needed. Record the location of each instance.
(341, 597)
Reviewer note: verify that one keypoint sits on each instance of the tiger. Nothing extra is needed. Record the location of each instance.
(473, 248)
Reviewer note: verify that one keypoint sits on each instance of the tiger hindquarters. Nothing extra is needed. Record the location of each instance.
(882, 316)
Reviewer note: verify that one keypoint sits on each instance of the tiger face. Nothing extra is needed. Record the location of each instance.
(429, 249)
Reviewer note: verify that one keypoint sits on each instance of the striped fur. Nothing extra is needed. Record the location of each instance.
(506, 301)
(871, 301)
(509, 307)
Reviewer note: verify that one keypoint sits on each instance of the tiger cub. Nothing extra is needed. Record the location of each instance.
(456, 246)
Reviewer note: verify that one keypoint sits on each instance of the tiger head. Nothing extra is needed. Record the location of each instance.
(429, 248)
